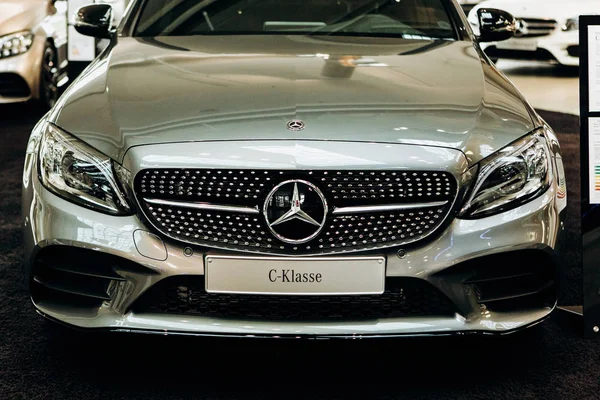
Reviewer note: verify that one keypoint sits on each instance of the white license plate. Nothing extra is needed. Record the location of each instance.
(295, 276)
(518, 44)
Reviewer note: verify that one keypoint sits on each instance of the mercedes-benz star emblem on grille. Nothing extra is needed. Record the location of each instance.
(295, 125)
(295, 211)
(522, 28)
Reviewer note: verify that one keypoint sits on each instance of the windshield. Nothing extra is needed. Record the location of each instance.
(407, 19)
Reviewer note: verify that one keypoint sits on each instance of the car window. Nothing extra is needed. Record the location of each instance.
(409, 19)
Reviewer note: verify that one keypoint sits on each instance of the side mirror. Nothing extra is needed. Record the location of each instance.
(495, 25)
(94, 20)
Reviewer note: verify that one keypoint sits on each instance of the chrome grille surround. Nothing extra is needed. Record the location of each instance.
(219, 208)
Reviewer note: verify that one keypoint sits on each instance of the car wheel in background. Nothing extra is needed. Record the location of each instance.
(49, 77)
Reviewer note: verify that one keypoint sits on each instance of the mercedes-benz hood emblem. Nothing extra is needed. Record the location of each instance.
(295, 125)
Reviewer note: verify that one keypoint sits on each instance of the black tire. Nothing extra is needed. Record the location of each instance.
(49, 77)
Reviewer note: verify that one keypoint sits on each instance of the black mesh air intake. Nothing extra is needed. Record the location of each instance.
(403, 297)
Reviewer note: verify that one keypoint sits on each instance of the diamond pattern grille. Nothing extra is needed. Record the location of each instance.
(249, 188)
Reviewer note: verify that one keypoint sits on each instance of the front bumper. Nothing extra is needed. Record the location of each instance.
(558, 48)
(51, 222)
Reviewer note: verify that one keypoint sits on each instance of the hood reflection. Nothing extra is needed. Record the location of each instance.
(212, 88)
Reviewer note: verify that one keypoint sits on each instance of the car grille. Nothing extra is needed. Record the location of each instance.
(168, 196)
(403, 297)
(530, 27)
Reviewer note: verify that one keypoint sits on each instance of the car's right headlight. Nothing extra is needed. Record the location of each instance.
(15, 44)
(75, 171)
(513, 176)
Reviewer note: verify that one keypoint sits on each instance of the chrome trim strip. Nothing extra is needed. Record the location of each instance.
(304, 336)
(387, 207)
(203, 206)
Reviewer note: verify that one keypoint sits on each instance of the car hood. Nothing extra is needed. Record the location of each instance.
(226, 88)
(19, 15)
(558, 10)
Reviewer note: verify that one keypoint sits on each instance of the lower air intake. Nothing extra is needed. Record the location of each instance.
(78, 278)
(512, 281)
(403, 297)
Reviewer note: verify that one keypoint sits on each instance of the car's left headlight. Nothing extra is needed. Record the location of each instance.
(572, 24)
(15, 44)
(77, 172)
(513, 176)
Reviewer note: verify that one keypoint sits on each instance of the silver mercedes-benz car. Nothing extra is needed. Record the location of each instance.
(293, 168)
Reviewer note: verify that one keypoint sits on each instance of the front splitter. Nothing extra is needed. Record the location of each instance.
(169, 332)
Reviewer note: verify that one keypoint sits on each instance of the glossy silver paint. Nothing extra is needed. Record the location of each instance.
(50, 220)
(225, 102)
(247, 88)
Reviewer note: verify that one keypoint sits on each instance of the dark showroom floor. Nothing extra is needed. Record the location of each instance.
(38, 361)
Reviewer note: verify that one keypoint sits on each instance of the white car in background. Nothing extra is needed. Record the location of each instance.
(468, 5)
(548, 30)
